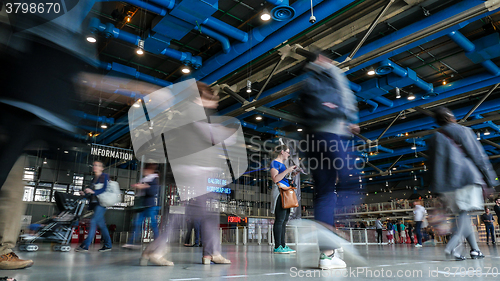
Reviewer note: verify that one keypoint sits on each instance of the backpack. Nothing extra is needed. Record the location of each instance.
(111, 196)
(321, 100)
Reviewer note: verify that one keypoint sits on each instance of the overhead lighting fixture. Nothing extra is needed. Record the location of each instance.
(413, 147)
(249, 86)
(66, 151)
(265, 16)
(444, 82)
(386, 184)
(371, 72)
(104, 126)
(299, 130)
(357, 158)
(185, 70)
(398, 93)
(371, 179)
(486, 133)
(254, 179)
(258, 118)
(91, 39)
(478, 135)
(45, 161)
(140, 51)
(137, 103)
(129, 18)
(90, 134)
(394, 168)
(411, 96)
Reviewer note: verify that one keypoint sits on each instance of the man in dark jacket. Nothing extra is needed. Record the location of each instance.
(487, 219)
(458, 163)
(497, 208)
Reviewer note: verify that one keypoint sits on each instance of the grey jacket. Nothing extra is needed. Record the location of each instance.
(454, 165)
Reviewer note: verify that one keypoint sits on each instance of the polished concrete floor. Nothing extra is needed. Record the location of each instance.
(254, 262)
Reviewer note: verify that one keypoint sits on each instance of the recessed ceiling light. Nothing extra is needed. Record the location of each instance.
(265, 16)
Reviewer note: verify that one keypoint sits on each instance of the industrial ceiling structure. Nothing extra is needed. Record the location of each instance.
(404, 58)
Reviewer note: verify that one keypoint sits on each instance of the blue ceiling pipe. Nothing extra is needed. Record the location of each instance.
(167, 4)
(100, 119)
(416, 27)
(470, 50)
(429, 122)
(226, 46)
(133, 73)
(282, 11)
(262, 129)
(90, 128)
(449, 90)
(110, 31)
(222, 64)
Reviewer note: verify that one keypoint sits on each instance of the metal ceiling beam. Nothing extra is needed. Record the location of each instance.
(395, 162)
(388, 127)
(494, 144)
(479, 103)
(370, 30)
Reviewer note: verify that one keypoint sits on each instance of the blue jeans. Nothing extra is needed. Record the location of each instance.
(150, 212)
(418, 231)
(98, 221)
(490, 229)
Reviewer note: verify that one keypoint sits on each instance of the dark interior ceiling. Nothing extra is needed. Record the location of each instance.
(435, 60)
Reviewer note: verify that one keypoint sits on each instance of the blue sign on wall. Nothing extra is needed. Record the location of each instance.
(218, 189)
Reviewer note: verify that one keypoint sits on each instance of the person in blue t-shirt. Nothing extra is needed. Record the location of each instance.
(278, 174)
(97, 219)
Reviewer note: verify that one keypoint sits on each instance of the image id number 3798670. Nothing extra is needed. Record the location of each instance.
(461, 271)
(32, 8)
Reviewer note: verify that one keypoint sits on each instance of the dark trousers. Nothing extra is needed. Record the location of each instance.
(410, 232)
(379, 235)
(196, 224)
(418, 231)
(281, 219)
(490, 229)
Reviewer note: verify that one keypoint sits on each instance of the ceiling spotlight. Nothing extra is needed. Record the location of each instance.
(129, 18)
(413, 147)
(254, 179)
(66, 151)
(265, 16)
(478, 135)
(45, 161)
(249, 86)
(394, 168)
(299, 130)
(140, 51)
(91, 39)
(444, 82)
(371, 179)
(398, 93)
(486, 133)
(104, 126)
(371, 72)
(411, 96)
(258, 118)
(185, 70)
(386, 184)
(249, 90)
(357, 158)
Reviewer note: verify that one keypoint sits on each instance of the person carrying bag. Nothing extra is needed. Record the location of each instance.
(460, 170)
(283, 198)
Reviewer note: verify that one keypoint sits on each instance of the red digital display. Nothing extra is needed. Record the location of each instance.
(235, 219)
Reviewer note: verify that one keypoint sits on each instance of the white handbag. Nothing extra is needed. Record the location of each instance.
(111, 196)
(467, 198)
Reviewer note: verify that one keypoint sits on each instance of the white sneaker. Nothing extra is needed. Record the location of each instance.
(329, 262)
(418, 246)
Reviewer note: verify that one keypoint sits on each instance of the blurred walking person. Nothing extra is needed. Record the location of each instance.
(147, 200)
(40, 58)
(419, 214)
(331, 113)
(97, 219)
(459, 170)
